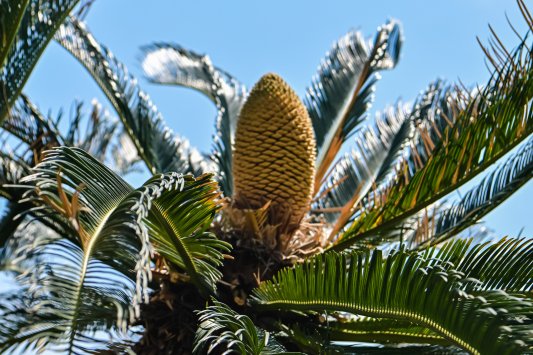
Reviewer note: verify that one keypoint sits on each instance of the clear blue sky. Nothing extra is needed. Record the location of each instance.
(250, 38)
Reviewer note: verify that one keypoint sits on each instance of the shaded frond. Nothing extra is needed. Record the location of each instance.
(12, 170)
(99, 273)
(36, 28)
(342, 90)
(78, 292)
(156, 144)
(11, 15)
(223, 330)
(95, 133)
(403, 286)
(170, 64)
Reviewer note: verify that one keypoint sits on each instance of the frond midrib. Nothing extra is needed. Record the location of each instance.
(87, 254)
(388, 336)
(182, 249)
(371, 312)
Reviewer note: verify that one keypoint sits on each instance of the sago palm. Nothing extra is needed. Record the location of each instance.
(276, 241)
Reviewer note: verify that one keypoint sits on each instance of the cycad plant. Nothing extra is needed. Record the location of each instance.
(275, 242)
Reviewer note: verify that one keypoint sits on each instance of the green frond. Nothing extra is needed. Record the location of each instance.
(156, 144)
(404, 286)
(40, 21)
(480, 200)
(35, 133)
(177, 225)
(493, 121)
(170, 64)
(74, 294)
(504, 265)
(432, 113)
(223, 330)
(101, 212)
(341, 92)
(442, 221)
(99, 272)
(405, 349)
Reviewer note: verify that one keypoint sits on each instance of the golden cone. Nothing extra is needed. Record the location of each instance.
(274, 156)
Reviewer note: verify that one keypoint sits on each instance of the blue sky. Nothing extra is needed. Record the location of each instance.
(250, 38)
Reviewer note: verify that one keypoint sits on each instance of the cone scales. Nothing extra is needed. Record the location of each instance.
(274, 156)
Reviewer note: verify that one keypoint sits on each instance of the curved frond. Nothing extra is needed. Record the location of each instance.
(156, 144)
(177, 225)
(383, 331)
(82, 292)
(170, 64)
(222, 329)
(101, 270)
(493, 121)
(40, 21)
(504, 265)
(342, 90)
(403, 286)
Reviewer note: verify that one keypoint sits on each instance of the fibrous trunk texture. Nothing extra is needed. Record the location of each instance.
(274, 156)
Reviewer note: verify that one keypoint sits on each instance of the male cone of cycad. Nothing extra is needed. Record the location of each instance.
(274, 154)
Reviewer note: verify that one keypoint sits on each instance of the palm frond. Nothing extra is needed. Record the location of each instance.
(77, 294)
(40, 21)
(101, 213)
(12, 170)
(223, 330)
(503, 265)
(99, 272)
(341, 92)
(494, 121)
(480, 200)
(64, 305)
(36, 134)
(177, 225)
(11, 14)
(95, 132)
(29, 125)
(156, 144)
(403, 286)
(170, 64)
(357, 172)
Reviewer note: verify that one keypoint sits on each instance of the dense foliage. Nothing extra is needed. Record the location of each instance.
(274, 242)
